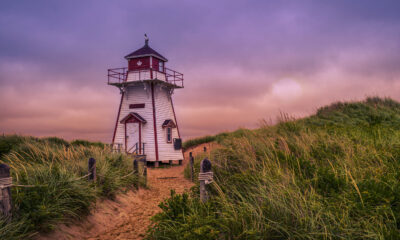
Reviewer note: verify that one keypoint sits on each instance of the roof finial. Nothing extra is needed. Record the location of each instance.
(146, 40)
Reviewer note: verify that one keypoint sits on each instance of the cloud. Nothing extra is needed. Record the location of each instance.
(286, 90)
(242, 61)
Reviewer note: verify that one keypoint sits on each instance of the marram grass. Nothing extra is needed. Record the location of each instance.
(55, 167)
(334, 175)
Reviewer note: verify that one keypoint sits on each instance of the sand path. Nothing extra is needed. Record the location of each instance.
(128, 216)
(132, 223)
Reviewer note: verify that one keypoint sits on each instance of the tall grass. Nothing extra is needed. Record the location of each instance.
(55, 167)
(334, 175)
(197, 141)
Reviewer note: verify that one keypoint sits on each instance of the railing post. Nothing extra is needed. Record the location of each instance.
(92, 169)
(205, 177)
(191, 160)
(5, 191)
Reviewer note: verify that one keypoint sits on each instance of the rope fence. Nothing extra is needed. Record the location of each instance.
(207, 177)
(6, 182)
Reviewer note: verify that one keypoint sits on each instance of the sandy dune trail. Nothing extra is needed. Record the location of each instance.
(128, 216)
(133, 223)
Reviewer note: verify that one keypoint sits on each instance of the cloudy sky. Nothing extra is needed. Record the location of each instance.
(243, 61)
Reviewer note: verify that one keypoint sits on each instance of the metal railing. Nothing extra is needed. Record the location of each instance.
(137, 150)
(120, 75)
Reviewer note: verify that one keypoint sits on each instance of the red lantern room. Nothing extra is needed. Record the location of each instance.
(145, 64)
(146, 58)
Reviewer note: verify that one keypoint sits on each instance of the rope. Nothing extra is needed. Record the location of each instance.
(79, 178)
(28, 186)
(127, 175)
(207, 177)
(87, 175)
(5, 182)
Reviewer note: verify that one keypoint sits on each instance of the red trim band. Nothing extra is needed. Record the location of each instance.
(154, 120)
(116, 123)
(176, 123)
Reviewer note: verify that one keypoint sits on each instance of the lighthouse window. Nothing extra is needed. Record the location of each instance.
(161, 66)
(136, 105)
(169, 135)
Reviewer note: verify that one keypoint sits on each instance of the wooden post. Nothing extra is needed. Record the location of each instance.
(205, 149)
(191, 160)
(135, 167)
(144, 161)
(145, 173)
(136, 172)
(92, 169)
(5, 192)
(205, 167)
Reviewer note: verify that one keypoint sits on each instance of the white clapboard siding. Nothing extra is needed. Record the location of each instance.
(138, 94)
(145, 75)
(142, 94)
(164, 111)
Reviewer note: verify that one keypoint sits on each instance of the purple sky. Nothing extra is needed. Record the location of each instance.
(243, 61)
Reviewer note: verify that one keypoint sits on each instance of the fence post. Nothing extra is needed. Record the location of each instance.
(145, 172)
(205, 172)
(136, 172)
(191, 160)
(5, 191)
(144, 161)
(92, 169)
(205, 149)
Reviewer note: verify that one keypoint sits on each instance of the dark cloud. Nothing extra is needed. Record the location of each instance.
(242, 60)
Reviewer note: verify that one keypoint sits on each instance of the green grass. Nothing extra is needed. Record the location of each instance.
(207, 139)
(197, 141)
(55, 167)
(334, 175)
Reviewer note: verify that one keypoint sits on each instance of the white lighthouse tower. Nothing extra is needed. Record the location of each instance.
(146, 122)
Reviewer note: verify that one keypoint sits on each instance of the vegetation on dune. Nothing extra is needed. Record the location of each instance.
(197, 141)
(207, 139)
(55, 167)
(334, 175)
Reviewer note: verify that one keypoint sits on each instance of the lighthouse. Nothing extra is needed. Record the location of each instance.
(146, 122)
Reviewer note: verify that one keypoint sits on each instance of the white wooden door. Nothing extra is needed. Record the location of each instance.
(132, 133)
